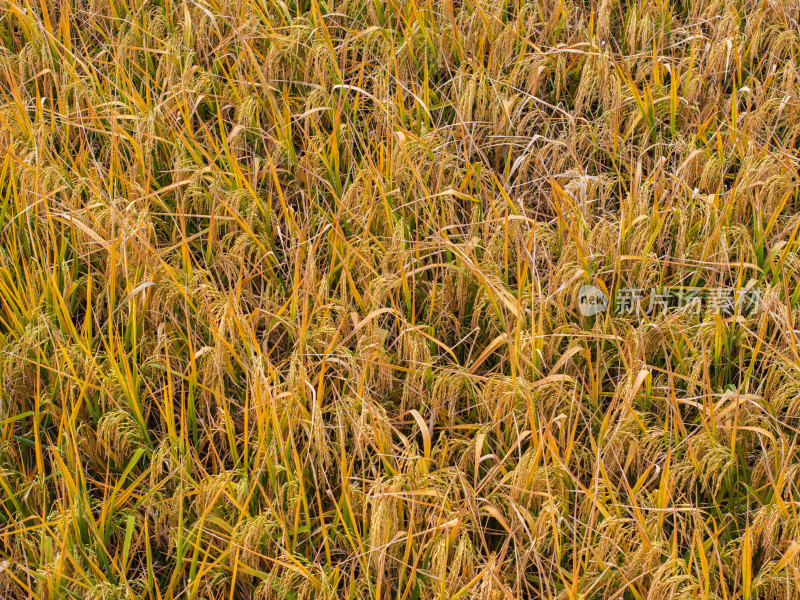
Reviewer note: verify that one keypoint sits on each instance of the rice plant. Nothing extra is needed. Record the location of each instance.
(399, 299)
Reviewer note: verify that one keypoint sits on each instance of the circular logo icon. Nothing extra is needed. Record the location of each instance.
(591, 300)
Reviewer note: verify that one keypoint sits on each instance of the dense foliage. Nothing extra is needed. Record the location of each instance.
(289, 299)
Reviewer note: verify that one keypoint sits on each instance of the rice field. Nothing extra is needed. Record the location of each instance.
(399, 299)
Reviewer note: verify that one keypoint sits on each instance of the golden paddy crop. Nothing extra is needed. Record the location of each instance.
(289, 299)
